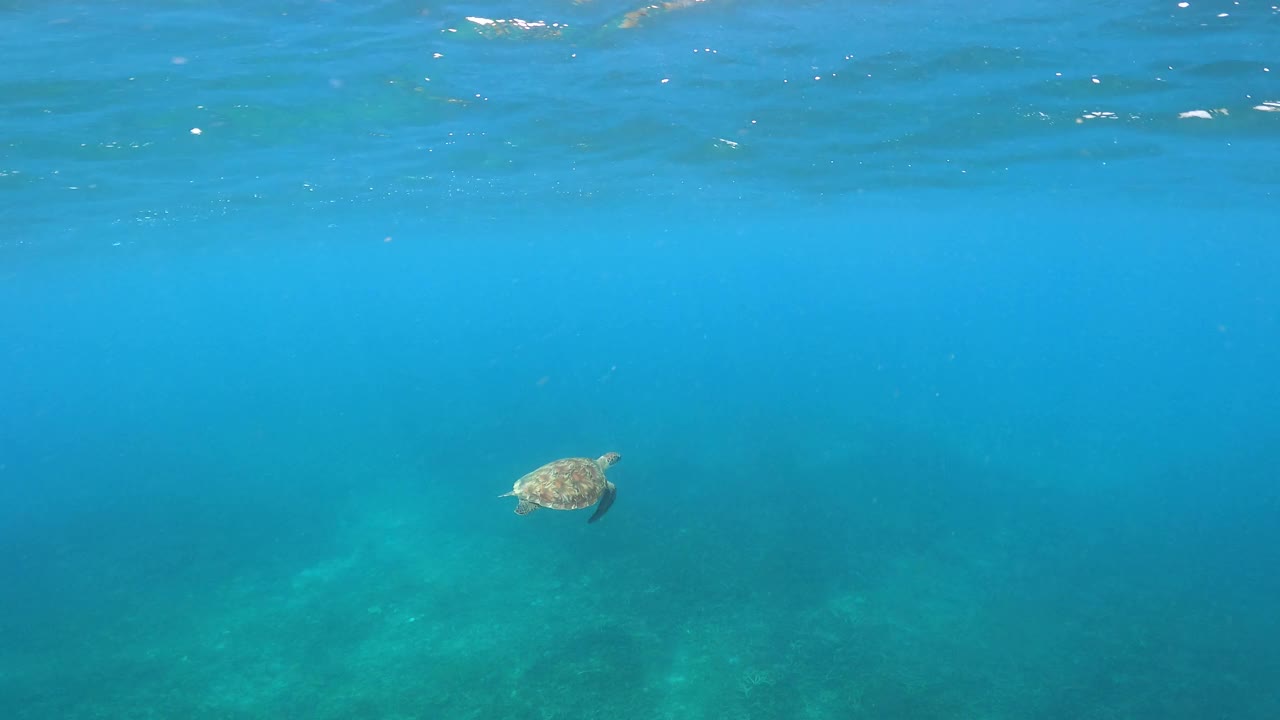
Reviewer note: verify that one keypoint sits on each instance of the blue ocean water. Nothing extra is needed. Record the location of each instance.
(939, 343)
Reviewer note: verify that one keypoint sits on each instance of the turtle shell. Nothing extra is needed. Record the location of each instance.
(569, 484)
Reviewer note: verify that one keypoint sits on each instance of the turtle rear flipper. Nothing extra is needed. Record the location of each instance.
(606, 501)
(525, 507)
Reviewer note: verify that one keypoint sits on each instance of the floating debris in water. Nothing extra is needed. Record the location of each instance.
(1203, 114)
(633, 18)
(513, 27)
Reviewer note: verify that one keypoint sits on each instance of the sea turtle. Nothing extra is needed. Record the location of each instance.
(568, 484)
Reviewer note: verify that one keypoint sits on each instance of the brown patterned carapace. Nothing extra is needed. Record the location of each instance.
(569, 484)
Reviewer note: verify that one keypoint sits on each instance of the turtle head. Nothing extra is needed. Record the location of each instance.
(608, 460)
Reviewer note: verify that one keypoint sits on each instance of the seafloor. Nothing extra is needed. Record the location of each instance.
(916, 585)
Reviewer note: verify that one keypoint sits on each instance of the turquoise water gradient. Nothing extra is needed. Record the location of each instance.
(939, 343)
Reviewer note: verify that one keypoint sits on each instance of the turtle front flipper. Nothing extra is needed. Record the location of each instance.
(525, 507)
(606, 501)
